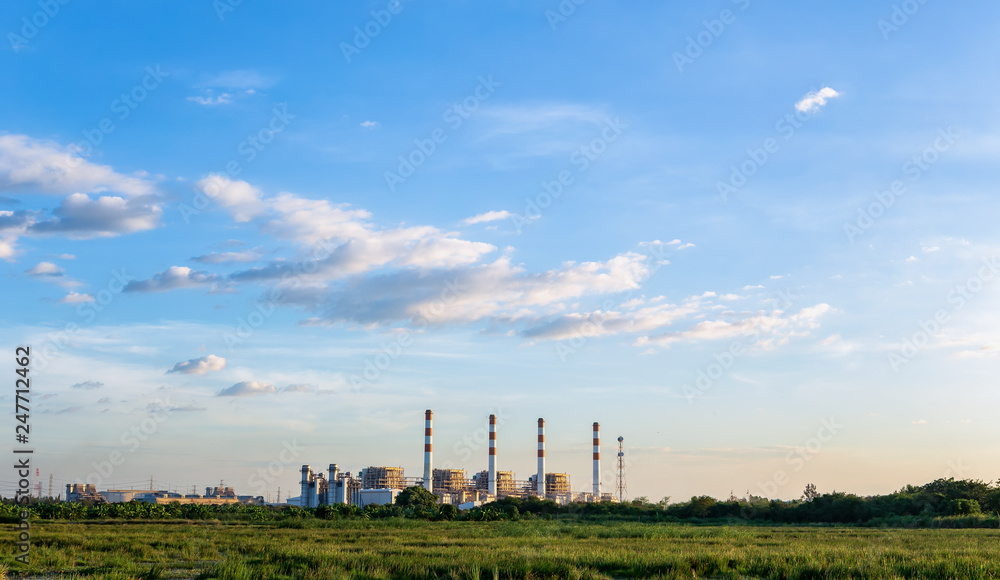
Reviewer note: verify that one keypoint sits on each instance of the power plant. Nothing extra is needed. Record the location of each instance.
(380, 485)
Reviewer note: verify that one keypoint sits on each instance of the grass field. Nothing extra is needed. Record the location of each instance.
(523, 549)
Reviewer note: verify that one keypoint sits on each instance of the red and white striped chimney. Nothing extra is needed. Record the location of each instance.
(428, 459)
(597, 461)
(493, 454)
(540, 478)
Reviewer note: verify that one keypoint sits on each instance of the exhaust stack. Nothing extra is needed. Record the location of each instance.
(428, 459)
(597, 461)
(540, 478)
(493, 455)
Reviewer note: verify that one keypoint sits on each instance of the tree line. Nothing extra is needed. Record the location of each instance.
(943, 502)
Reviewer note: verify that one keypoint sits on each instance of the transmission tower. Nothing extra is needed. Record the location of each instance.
(50, 485)
(622, 488)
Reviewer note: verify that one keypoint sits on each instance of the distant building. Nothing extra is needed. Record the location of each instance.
(505, 481)
(382, 478)
(83, 491)
(450, 480)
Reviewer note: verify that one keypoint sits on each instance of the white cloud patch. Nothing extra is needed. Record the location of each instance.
(239, 197)
(172, 278)
(986, 351)
(38, 166)
(88, 385)
(42, 167)
(369, 124)
(490, 216)
(199, 366)
(228, 257)
(769, 329)
(209, 99)
(79, 216)
(76, 298)
(247, 388)
(43, 269)
(816, 100)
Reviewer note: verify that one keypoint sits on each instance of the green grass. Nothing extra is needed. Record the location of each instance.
(525, 549)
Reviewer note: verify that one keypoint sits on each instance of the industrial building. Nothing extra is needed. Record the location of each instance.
(380, 485)
(213, 495)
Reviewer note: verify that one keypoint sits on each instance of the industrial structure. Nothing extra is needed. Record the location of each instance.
(213, 495)
(381, 484)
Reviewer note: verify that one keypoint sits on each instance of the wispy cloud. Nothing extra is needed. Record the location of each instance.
(43, 269)
(199, 366)
(76, 298)
(816, 100)
(490, 216)
(88, 385)
(247, 388)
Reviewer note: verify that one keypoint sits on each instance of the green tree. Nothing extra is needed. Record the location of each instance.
(416, 496)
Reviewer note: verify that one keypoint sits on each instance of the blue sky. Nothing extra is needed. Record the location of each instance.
(755, 239)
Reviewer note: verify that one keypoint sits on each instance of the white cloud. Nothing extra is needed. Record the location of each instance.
(247, 388)
(769, 330)
(369, 124)
(199, 366)
(172, 278)
(490, 216)
(210, 100)
(81, 217)
(228, 257)
(990, 350)
(816, 100)
(45, 269)
(76, 298)
(88, 385)
(239, 197)
(38, 166)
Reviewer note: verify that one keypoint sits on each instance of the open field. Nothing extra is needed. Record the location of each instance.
(399, 548)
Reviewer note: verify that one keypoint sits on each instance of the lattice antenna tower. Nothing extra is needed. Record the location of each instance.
(622, 487)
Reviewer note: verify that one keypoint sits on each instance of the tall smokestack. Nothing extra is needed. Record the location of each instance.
(493, 454)
(597, 461)
(428, 480)
(540, 478)
(306, 477)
